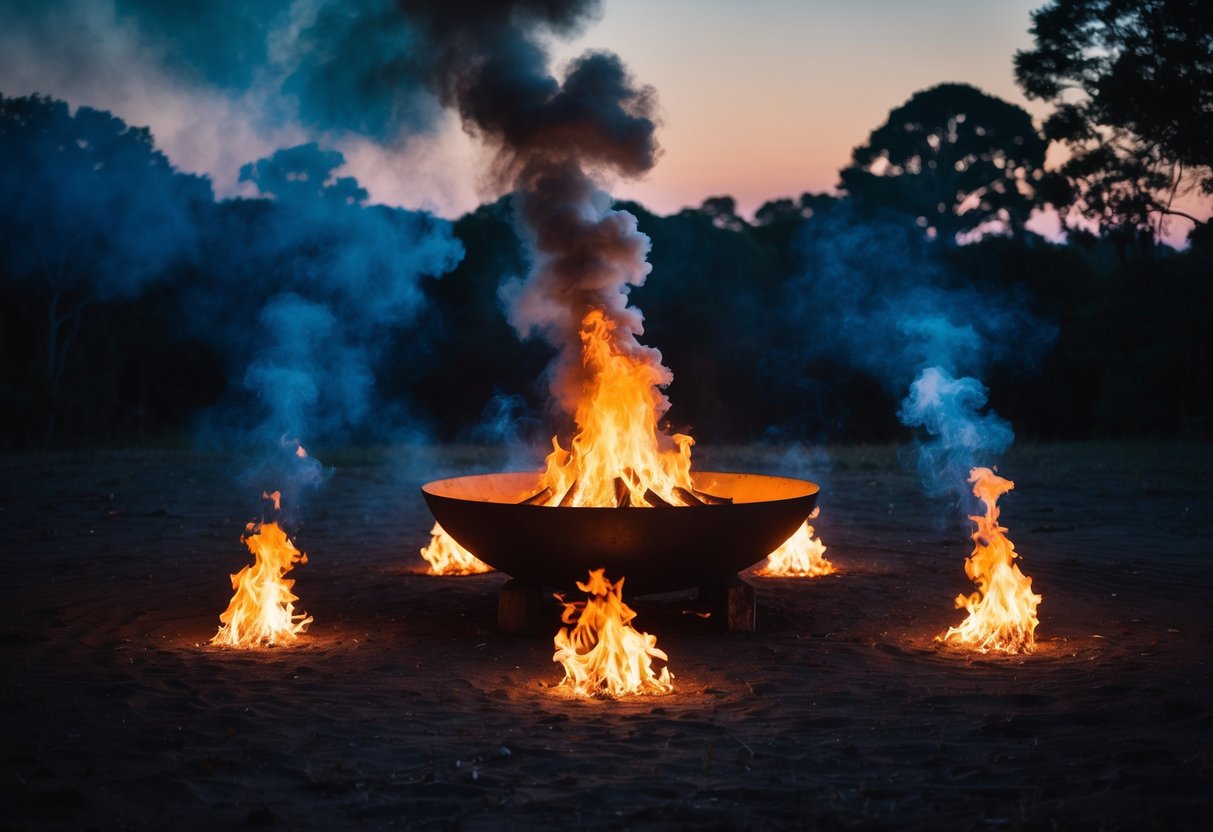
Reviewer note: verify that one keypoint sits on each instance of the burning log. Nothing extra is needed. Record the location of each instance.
(712, 499)
(567, 499)
(615, 414)
(538, 498)
(623, 494)
(656, 499)
(688, 496)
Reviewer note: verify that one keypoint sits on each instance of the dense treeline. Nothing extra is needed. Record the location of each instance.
(1131, 355)
(134, 305)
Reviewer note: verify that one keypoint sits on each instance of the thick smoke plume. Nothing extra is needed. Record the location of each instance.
(552, 139)
(226, 81)
(586, 255)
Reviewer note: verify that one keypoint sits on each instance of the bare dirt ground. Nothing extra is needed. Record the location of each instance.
(403, 706)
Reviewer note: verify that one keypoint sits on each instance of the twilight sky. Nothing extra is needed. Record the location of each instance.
(766, 98)
(759, 99)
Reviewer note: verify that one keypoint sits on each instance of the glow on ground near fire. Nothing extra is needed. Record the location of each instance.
(603, 655)
(1002, 612)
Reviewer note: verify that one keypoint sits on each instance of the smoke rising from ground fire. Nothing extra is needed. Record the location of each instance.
(305, 301)
(874, 295)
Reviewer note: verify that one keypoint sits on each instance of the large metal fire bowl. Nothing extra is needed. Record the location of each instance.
(658, 549)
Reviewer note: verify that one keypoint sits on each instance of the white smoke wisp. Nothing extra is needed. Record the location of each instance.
(960, 434)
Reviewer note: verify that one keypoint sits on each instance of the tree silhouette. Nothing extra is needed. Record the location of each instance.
(723, 212)
(786, 210)
(304, 173)
(1132, 81)
(91, 211)
(956, 159)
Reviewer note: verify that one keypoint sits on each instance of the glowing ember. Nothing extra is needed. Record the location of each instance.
(800, 556)
(262, 612)
(603, 654)
(1002, 612)
(446, 557)
(617, 457)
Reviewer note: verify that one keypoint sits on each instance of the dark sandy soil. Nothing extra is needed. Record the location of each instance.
(404, 707)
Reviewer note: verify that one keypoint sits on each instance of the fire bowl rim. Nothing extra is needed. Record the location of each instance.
(809, 487)
(657, 550)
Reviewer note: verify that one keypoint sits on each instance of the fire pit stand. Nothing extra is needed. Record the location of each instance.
(527, 606)
(731, 600)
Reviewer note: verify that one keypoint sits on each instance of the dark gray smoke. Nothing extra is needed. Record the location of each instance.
(585, 255)
(226, 81)
(555, 141)
(377, 68)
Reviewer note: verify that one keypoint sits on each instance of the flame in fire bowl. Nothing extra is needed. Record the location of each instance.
(659, 549)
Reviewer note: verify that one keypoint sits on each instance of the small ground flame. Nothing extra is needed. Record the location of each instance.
(446, 557)
(800, 556)
(603, 655)
(1002, 612)
(262, 612)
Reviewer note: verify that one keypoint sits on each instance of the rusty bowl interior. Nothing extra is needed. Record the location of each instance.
(658, 549)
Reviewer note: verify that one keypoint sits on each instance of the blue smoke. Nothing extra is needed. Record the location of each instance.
(304, 348)
(309, 286)
(301, 291)
(506, 422)
(873, 294)
(961, 434)
(90, 207)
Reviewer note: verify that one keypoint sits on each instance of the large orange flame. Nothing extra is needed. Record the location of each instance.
(262, 612)
(603, 654)
(1002, 612)
(800, 556)
(446, 557)
(617, 457)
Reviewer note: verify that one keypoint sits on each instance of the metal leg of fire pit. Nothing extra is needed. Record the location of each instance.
(731, 601)
(519, 606)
